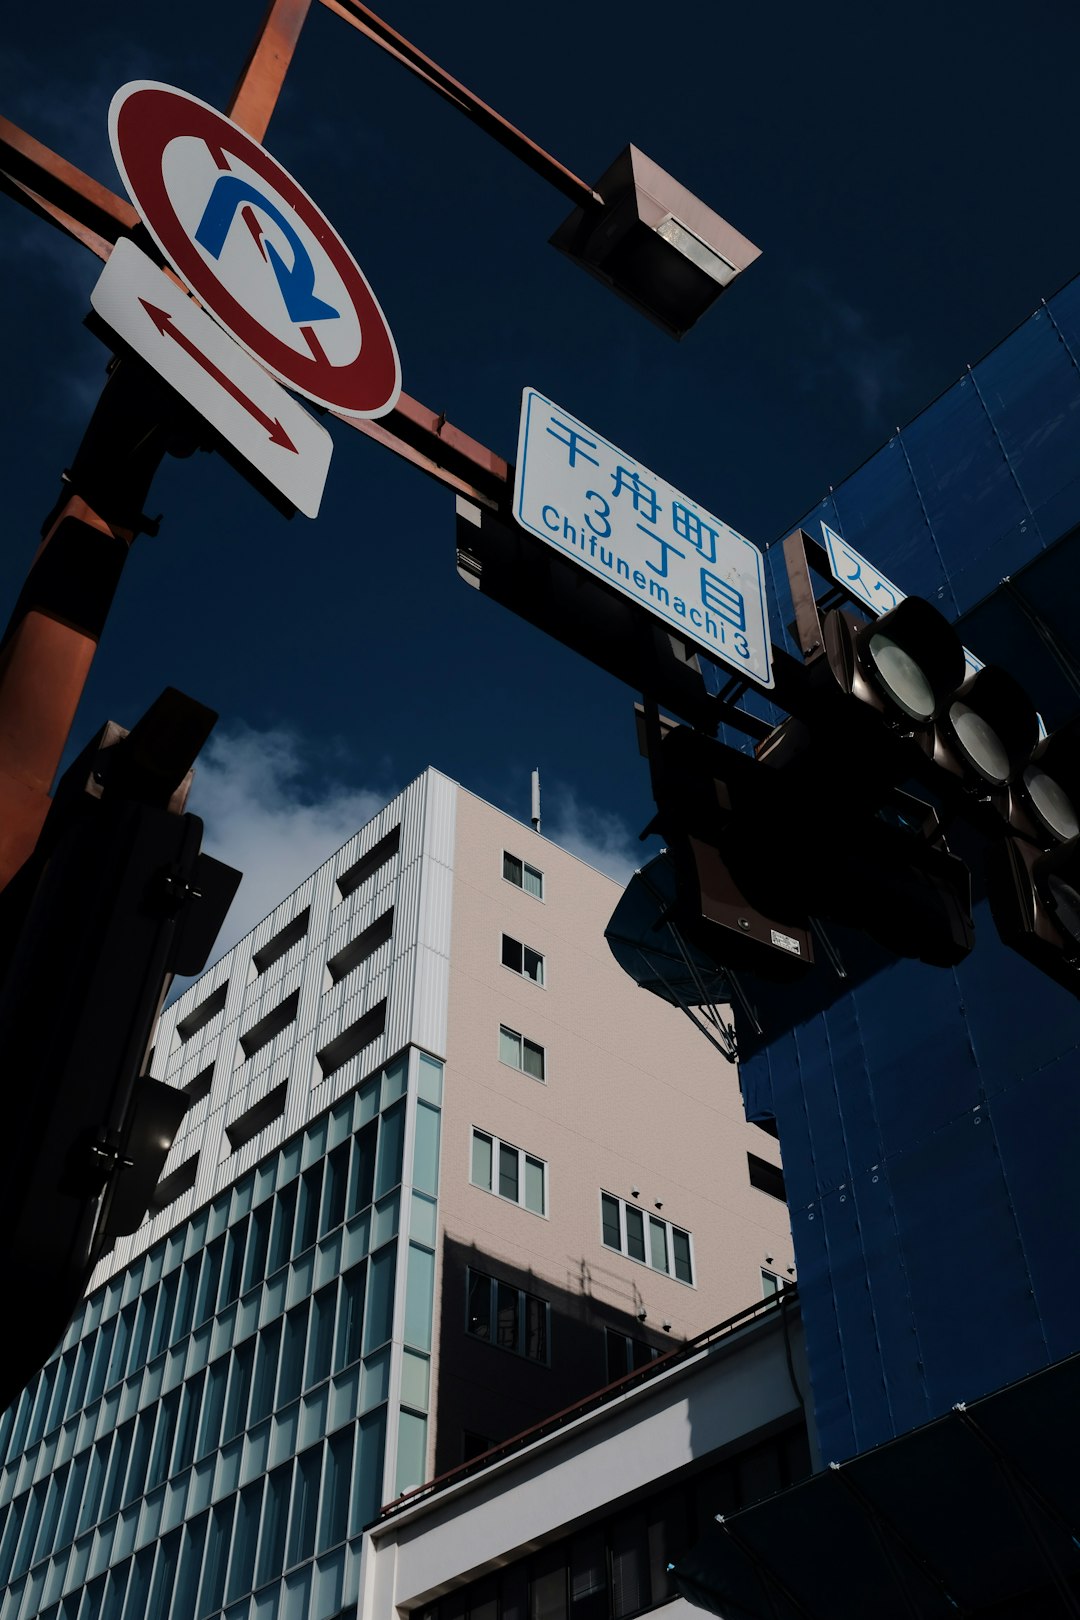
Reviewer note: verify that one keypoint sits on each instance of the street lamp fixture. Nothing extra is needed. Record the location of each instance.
(655, 243)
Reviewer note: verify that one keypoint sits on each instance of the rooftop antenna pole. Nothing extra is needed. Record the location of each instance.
(536, 800)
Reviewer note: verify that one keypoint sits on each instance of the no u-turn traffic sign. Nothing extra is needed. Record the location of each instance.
(254, 249)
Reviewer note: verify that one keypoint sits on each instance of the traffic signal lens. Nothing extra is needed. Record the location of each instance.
(904, 681)
(1051, 803)
(1066, 904)
(981, 744)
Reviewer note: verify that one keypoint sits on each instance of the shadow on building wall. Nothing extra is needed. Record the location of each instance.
(516, 1348)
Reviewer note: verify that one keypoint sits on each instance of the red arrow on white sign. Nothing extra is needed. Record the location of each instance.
(165, 325)
(271, 431)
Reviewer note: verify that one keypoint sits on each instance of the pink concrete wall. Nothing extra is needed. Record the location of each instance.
(634, 1097)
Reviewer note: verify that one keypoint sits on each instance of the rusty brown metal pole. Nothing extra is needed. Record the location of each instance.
(44, 662)
(363, 19)
(252, 103)
(65, 197)
(49, 644)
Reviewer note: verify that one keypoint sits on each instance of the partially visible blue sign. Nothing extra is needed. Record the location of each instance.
(612, 516)
(880, 595)
(868, 583)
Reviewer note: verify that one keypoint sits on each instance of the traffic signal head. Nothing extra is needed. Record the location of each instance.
(1045, 794)
(987, 730)
(116, 898)
(1035, 902)
(905, 664)
(978, 730)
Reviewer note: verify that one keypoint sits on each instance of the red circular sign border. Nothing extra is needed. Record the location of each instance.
(143, 118)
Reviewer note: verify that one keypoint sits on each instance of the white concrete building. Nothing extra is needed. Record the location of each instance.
(584, 1516)
(445, 1171)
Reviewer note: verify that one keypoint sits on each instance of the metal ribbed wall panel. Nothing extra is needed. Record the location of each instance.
(409, 971)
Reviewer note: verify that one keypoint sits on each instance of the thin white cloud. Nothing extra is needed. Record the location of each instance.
(251, 789)
(599, 837)
(839, 348)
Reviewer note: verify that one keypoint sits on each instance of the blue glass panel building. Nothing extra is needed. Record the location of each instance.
(930, 1119)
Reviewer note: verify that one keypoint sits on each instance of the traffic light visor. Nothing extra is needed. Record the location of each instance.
(994, 724)
(911, 658)
(903, 679)
(1050, 783)
(1065, 904)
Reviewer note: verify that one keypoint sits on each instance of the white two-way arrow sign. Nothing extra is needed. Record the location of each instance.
(156, 318)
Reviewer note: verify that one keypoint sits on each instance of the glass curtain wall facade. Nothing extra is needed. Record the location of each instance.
(225, 1415)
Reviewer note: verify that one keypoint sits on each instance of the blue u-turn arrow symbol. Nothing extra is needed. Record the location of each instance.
(296, 280)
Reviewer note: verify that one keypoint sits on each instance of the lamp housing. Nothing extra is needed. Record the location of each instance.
(655, 243)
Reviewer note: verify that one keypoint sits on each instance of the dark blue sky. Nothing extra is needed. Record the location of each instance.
(907, 173)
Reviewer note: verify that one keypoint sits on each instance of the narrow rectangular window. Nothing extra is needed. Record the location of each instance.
(635, 1233)
(534, 1185)
(658, 1256)
(680, 1243)
(507, 1304)
(536, 1316)
(768, 1177)
(609, 1216)
(478, 1318)
(481, 1160)
(511, 953)
(533, 1063)
(508, 1172)
(509, 1047)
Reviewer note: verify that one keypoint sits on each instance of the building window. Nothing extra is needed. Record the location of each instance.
(520, 1053)
(646, 1238)
(282, 942)
(202, 1014)
(376, 857)
(366, 1029)
(507, 1316)
(199, 1087)
(517, 1176)
(625, 1354)
(169, 1189)
(359, 949)
(768, 1177)
(772, 1284)
(257, 1118)
(522, 959)
(522, 875)
(262, 1033)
